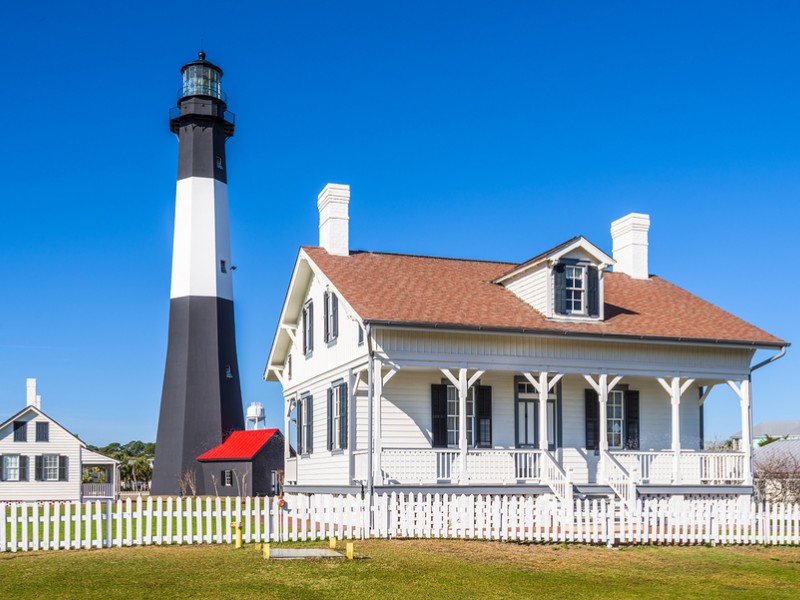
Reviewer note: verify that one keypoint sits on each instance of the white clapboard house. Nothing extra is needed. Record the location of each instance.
(576, 372)
(41, 460)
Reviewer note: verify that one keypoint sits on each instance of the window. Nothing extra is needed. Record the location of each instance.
(50, 466)
(11, 467)
(227, 478)
(223, 267)
(20, 431)
(228, 372)
(360, 335)
(528, 416)
(453, 414)
(305, 428)
(42, 432)
(331, 316)
(576, 290)
(614, 418)
(219, 163)
(289, 367)
(337, 416)
(308, 328)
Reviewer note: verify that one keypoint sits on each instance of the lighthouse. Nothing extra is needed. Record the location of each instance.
(201, 401)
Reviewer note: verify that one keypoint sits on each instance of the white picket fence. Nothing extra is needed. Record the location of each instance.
(148, 521)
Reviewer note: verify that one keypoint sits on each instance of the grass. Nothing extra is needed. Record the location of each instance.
(407, 569)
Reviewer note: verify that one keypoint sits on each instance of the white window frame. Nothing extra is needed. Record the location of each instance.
(47, 468)
(305, 432)
(7, 467)
(575, 293)
(336, 416)
(227, 478)
(331, 317)
(615, 417)
(308, 337)
(453, 421)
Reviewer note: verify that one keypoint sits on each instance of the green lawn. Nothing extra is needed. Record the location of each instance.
(408, 570)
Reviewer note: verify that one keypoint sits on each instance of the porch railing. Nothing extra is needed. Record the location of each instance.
(98, 490)
(620, 480)
(555, 476)
(443, 465)
(700, 468)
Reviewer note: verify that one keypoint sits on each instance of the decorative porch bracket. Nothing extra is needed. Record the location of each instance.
(602, 386)
(744, 392)
(462, 383)
(543, 386)
(675, 390)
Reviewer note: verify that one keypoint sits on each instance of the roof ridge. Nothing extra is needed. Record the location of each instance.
(453, 258)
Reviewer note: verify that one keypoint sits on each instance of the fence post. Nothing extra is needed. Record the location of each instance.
(107, 541)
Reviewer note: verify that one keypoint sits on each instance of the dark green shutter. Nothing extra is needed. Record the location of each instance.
(335, 316)
(593, 293)
(38, 467)
(310, 418)
(326, 334)
(62, 468)
(23, 468)
(330, 418)
(439, 415)
(632, 420)
(484, 414)
(342, 415)
(560, 289)
(300, 404)
(592, 420)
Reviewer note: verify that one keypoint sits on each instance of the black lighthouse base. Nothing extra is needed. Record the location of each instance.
(201, 401)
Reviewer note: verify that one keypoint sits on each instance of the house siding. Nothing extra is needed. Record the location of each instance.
(532, 288)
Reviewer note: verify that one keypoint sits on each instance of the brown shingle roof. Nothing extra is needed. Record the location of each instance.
(453, 292)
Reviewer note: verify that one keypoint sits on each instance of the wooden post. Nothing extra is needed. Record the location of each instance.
(744, 392)
(463, 390)
(603, 440)
(377, 447)
(675, 390)
(543, 394)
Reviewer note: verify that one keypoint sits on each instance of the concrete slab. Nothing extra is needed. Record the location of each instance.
(298, 553)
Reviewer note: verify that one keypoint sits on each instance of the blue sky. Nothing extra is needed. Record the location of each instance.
(485, 130)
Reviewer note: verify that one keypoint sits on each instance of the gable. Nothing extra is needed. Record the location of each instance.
(31, 414)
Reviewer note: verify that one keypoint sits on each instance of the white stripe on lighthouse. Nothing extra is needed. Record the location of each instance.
(202, 240)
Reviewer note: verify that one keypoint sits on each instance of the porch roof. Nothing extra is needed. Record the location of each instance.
(428, 291)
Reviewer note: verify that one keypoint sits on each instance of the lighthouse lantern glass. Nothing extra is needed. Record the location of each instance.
(200, 80)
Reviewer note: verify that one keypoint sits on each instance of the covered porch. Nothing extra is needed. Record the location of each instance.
(99, 476)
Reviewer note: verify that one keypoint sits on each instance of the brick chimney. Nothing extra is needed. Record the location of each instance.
(333, 202)
(629, 236)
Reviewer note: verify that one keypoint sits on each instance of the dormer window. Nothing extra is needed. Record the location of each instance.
(576, 290)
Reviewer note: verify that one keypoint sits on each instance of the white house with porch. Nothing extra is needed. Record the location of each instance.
(576, 372)
(41, 460)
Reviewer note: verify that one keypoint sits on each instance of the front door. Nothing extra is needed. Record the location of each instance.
(527, 417)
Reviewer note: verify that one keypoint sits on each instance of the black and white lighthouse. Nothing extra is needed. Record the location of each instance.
(201, 401)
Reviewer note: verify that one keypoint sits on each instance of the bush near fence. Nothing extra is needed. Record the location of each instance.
(148, 521)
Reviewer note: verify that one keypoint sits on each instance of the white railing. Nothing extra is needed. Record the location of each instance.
(503, 466)
(360, 465)
(98, 490)
(555, 477)
(695, 468)
(424, 465)
(619, 480)
(290, 470)
(439, 465)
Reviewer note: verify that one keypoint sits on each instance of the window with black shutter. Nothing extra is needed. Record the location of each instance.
(308, 328)
(62, 468)
(576, 289)
(20, 431)
(439, 415)
(301, 433)
(593, 291)
(560, 289)
(38, 468)
(23, 468)
(337, 416)
(343, 416)
(42, 432)
(592, 407)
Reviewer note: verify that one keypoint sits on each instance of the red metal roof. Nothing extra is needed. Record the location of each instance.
(240, 445)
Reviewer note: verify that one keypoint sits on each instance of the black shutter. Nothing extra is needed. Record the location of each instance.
(330, 418)
(632, 420)
(2, 474)
(23, 468)
(222, 478)
(311, 327)
(342, 415)
(326, 334)
(305, 330)
(62, 468)
(309, 401)
(484, 414)
(439, 415)
(300, 404)
(38, 466)
(592, 287)
(592, 420)
(335, 316)
(560, 288)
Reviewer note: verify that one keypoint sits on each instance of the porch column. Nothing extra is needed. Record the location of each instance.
(377, 446)
(543, 386)
(675, 391)
(602, 387)
(463, 390)
(744, 392)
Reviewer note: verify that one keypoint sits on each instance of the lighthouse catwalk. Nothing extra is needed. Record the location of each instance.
(201, 401)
